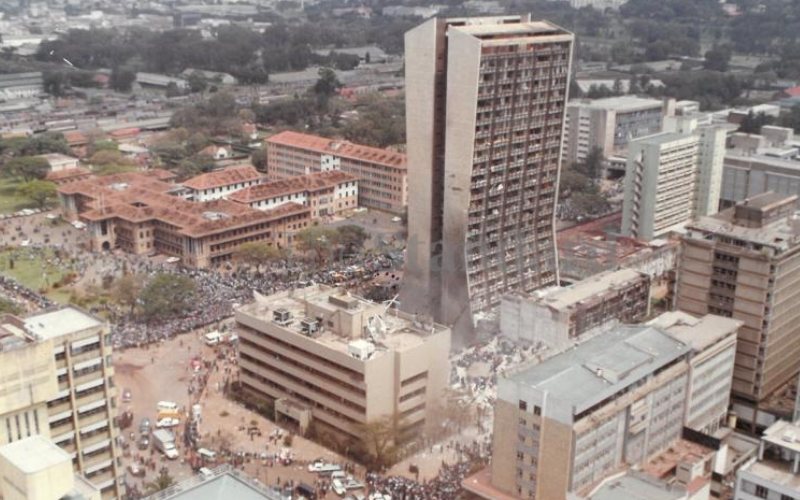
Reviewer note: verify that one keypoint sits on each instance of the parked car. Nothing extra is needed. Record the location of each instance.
(126, 395)
(144, 442)
(144, 426)
(136, 470)
(168, 422)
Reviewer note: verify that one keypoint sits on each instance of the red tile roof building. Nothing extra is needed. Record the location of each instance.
(65, 176)
(326, 193)
(142, 215)
(221, 183)
(382, 176)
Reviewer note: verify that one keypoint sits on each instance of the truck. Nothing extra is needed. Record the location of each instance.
(164, 441)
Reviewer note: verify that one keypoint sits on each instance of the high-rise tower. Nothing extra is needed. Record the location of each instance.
(485, 100)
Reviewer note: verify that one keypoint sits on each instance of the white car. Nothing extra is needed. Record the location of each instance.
(338, 487)
(396, 219)
(168, 422)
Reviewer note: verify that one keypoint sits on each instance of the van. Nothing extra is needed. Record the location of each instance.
(162, 414)
(207, 455)
(205, 473)
(167, 406)
(213, 338)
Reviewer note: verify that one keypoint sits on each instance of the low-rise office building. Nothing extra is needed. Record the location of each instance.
(381, 173)
(747, 176)
(338, 361)
(142, 215)
(775, 473)
(559, 317)
(325, 193)
(221, 183)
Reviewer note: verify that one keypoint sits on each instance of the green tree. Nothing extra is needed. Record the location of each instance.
(49, 142)
(9, 307)
(172, 90)
(259, 159)
(256, 253)
(792, 118)
(317, 240)
(41, 193)
(718, 59)
(127, 289)
(160, 483)
(28, 167)
(166, 295)
(327, 86)
(197, 82)
(379, 439)
(121, 79)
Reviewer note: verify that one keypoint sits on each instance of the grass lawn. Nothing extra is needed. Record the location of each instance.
(32, 270)
(10, 199)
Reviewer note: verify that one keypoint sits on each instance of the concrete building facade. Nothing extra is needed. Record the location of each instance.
(748, 176)
(775, 473)
(660, 180)
(744, 263)
(221, 183)
(381, 173)
(341, 361)
(608, 125)
(484, 145)
(559, 317)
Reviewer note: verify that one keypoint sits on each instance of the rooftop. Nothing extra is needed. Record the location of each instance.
(60, 322)
(636, 486)
(566, 297)
(225, 483)
(783, 434)
(225, 177)
(506, 30)
(699, 333)
(664, 138)
(300, 184)
(339, 148)
(34, 454)
(58, 158)
(774, 471)
(386, 331)
(620, 103)
(602, 366)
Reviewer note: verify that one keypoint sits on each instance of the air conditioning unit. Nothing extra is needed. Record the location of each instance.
(309, 326)
(282, 317)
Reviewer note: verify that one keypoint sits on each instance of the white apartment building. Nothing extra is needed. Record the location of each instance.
(608, 124)
(775, 473)
(660, 180)
(221, 183)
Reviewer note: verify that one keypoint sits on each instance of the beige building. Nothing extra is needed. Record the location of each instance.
(744, 263)
(340, 361)
(615, 401)
(560, 316)
(222, 183)
(33, 468)
(484, 131)
(381, 173)
(57, 383)
(325, 193)
(660, 182)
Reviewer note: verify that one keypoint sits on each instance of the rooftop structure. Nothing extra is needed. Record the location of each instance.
(221, 183)
(560, 316)
(775, 473)
(60, 322)
(746, 176)
(636, 486)
(141, 214)
(58, 161)
(326, 193)
(225, 483)
(353, 361)
(381, 173)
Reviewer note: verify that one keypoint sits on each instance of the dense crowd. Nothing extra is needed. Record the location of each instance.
(24, 297)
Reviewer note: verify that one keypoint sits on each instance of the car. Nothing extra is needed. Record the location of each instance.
(144, 426)
(396, 219)
(168, 422)
(136, 470)
(144, 442)
(126, 395)
(338, 487)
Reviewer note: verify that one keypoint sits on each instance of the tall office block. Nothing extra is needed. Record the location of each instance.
(744, 263)
(484, 142)
(660, 182)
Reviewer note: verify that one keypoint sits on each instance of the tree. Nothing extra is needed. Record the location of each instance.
(259, 159)
(121, 79)
(792, 118)
(752, 123)
(160, 483)
(197, 82)
(379, 441)
(9, 307)
(172, 90)
(166, 295)
(127, 289)
(351, 238)
(41, 193)
(327, 86)
(256, 253)
(49, 142)
(718, 59)
(316, 239)
(28, 167)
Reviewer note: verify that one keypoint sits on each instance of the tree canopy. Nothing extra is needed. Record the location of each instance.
(166, 295)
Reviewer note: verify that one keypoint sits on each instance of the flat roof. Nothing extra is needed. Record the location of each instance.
(225, 484)
(664, 138)
(620, 103)
(635, 486)
(64, 321)
(564, 297)
(521, 29)
(781, 234)
(775, 472)
(602, 366)
(34, 454)
(696, 332)
(783, 434)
